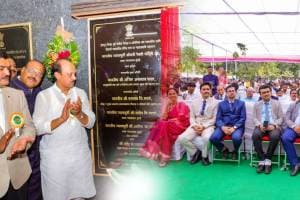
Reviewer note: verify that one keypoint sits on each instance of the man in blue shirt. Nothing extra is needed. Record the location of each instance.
(268, 118)
(212, 79)
(231, 117)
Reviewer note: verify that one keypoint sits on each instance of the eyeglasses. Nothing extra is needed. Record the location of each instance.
(35, 72)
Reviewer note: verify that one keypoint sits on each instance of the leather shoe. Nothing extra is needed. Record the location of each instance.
(225, 153)
(295, 170)
(260, 168)
(268, 169)
(205, 161)
(196, 157)
(234, 155)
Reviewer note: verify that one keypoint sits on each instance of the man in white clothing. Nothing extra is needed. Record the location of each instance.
(202, 119)
(190, 94)
(61, 114)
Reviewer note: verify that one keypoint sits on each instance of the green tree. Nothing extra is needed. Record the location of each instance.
(289, 68)
(242, 48)
(189, 63)
(246, 71)
(287, 74)
(269, 70)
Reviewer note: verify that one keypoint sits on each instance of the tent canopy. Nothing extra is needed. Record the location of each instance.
(268, 28)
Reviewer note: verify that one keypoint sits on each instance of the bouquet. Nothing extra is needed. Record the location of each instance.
(62, 46)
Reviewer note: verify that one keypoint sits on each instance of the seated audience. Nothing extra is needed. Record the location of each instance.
(220, 95)
(249, 95)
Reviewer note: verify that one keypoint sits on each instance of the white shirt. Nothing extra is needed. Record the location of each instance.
(189, 98)
(2, 113)
(66, 164)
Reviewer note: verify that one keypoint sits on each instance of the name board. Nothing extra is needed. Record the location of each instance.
(125, 86)
(16, 41)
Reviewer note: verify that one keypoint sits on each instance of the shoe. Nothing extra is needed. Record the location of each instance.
(162, 163)
(225, 153)
(205, 161)
(196, 157)
(295, 170)
(268, 169)
(260, 168)
(234, 155)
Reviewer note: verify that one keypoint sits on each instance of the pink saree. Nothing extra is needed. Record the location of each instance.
(164, 133)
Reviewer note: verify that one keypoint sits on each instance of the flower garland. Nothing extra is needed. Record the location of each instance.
(62, 46)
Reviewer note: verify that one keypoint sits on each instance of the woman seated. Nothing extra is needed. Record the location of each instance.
(174, 120)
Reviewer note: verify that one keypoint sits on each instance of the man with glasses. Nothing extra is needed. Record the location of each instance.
(230, 120)
(29, 82)
(14, 164)
(268, 118)
(61, 114)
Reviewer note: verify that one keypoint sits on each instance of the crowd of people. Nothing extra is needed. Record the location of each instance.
(44, 151)
(217, 108)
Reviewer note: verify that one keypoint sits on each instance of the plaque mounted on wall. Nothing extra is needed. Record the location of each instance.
(16, 40)
(125, 55)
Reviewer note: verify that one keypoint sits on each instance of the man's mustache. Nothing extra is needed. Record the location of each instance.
(33, 78)
(5, 77)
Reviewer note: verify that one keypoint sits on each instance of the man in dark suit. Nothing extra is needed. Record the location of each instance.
(231, 117)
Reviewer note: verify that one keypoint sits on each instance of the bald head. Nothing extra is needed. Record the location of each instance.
(65, 73)
(249, 92)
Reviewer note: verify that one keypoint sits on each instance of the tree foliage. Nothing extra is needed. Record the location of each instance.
(242, 48)
(189, 61)
(268, 70)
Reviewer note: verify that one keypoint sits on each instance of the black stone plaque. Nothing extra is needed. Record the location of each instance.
(16, 40)
(125, 85)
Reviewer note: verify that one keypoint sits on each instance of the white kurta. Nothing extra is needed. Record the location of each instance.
(66, 164)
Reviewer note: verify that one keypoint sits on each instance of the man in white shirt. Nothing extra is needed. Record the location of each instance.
(190, 94)
(293, 95)
(61, 114)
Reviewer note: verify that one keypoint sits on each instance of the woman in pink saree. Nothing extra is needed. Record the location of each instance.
(163, 134)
